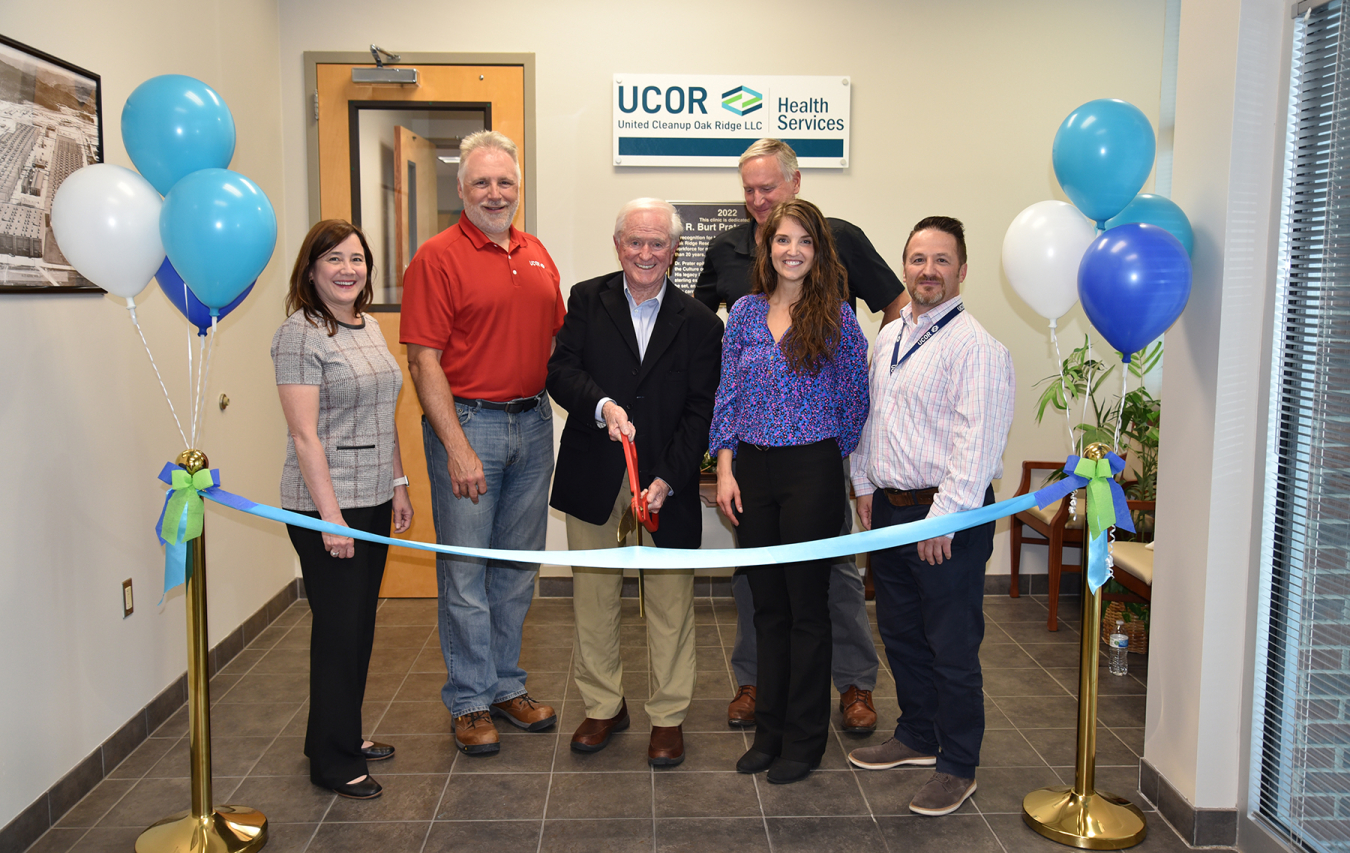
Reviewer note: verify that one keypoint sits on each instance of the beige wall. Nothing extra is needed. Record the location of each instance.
(955, 106)
(85, 427)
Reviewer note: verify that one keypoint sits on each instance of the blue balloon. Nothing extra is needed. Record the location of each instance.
(1102, 155)
(1134, 281)
(198, 314)
(1160, 211)
(173, 125)
(219, 231)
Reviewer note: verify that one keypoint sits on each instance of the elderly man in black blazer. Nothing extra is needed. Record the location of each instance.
(636, 356)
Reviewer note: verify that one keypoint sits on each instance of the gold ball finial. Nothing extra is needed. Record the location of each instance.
(1096, 450)
(192, 461)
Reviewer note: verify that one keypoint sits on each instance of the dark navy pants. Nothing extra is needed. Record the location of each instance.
(931, 620)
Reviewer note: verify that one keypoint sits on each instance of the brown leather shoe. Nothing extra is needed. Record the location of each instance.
(524, 712)
(741, 711)
(593, 735)
(859, 715)
(475, 734)
(666, 748)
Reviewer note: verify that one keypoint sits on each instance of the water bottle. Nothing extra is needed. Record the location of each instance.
(1118, 653)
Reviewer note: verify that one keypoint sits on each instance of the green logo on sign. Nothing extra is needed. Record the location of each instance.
(742, 100)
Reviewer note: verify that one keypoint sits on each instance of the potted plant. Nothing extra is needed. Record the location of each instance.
(1077, 386)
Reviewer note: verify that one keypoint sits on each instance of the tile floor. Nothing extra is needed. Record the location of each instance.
(538, 795)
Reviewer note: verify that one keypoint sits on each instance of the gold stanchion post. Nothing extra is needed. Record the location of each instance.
(1079, 815)
(202, 829)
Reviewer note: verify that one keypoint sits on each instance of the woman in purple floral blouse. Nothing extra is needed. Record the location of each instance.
(790, 407)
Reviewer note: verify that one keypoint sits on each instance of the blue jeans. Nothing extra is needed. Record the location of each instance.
(483, 602)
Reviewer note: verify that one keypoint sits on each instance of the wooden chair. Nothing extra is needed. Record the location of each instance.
(1134, 564)
(1056, 530)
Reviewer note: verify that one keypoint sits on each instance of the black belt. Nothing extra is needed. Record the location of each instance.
(910, 497)
(524, 404)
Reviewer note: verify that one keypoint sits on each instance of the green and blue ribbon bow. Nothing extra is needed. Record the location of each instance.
(183, 510)
(1106, 508)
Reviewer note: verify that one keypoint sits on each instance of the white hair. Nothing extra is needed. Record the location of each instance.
(778, 150)
(491, 139)
(676, 224)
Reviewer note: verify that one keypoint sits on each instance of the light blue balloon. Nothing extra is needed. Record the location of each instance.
(172, 126)
(1102, 155)
(219, 230)
(1160, 211)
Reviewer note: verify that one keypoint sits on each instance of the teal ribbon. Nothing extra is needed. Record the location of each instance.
(1106, 508)
(184, 512)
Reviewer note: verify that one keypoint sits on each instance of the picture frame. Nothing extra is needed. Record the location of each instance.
(51, 123)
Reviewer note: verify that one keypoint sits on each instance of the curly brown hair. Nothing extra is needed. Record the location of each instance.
(814, 335)
(321, 240)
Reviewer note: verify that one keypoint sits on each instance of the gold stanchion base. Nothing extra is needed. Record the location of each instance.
(228, 829)
(1098, 821)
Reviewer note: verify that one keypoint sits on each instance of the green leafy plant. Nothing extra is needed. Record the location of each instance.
(1083, 378)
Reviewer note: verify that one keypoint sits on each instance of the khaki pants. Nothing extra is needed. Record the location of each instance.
(670, 627)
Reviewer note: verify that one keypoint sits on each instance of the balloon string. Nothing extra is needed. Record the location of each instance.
(207, 358)
(191, 395)
(1068, 419)
(1087, 394)
(1120, 412)
(162, 386)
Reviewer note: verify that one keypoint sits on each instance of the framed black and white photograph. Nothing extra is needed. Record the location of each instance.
(51, 123)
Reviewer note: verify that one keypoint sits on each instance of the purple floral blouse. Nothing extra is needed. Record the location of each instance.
(761, 401)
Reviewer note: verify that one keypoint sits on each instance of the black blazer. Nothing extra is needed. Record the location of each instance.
(668, 396)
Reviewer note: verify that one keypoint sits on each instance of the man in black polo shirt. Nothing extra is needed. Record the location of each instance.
(769, 176)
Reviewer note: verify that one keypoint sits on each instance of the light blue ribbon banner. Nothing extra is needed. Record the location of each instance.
(638, 557)
(1100, 518)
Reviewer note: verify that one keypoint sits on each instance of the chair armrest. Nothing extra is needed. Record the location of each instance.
(1030, 465)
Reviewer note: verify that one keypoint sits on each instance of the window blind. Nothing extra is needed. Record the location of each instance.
(1301, 728)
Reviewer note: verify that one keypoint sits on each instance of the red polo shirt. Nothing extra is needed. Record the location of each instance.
(491, 311)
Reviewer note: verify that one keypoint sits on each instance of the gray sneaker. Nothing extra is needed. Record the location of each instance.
(890, 754)
(943, 794)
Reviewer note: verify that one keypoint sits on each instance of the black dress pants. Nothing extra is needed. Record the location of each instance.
(931, 619)
(343, 595)
(791, 494)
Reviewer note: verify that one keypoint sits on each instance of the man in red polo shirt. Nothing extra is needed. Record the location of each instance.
(481, 305)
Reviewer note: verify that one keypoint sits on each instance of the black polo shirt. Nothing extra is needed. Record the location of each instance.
(726, 268)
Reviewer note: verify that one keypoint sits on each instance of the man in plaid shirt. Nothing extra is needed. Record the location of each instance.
(942, 402)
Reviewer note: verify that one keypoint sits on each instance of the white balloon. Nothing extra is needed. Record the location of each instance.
(1041, 253)
(106, 222)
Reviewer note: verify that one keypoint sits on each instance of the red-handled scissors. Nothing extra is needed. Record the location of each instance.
(640, 513)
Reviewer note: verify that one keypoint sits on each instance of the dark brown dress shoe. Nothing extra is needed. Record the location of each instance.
(667, 746)
(593, 735)
(741, 711)
(860, 717)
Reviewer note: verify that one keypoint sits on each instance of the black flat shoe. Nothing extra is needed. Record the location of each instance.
(754, 761)
(377, 751)
(786, 771)
(366, 789)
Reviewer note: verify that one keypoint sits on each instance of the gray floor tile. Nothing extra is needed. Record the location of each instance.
(824, 834)
(405, 798)
(597, 836)
(459, 836)
(707, 794)
(692, 835)
(491, 796)
(822, 792)
(600, 795)
(364, 837)
(968, 833)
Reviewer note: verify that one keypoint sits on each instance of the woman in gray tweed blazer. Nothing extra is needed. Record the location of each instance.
(338, 384)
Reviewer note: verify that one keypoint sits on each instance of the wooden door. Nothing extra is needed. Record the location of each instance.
(415, 202)
(500, 90)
